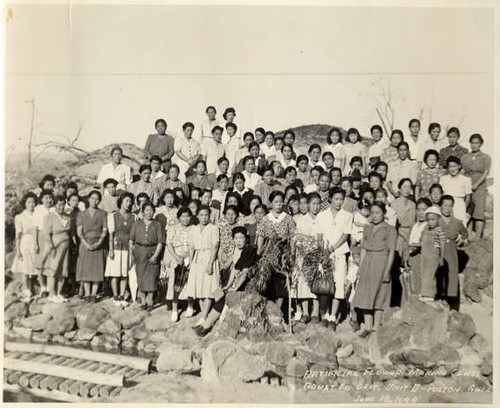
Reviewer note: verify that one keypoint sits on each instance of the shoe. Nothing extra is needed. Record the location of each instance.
(174, 317)
(189, 312)
(305, 319)
(354, 325)
(201, 331)
(365, 333)
(298, 316)
(44, 294)
(332, 325)
(315, 320)
(149, 308)
(93, 299)
(143, 307)
(63, 299)
(199, 323)
(86, 299)
(325, 319)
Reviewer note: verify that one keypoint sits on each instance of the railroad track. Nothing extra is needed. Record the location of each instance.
(69, 374)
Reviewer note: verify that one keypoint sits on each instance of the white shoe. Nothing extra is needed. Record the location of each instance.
(116, 303)
(123, 303)
(189, 312)
(54, 299)
(174, 317)
(62, 298)
(298, 316)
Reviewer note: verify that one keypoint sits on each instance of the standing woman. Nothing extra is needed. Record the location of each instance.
(91, 228)
(25, 253)
(187, 150)
(334, 140)
(476, 165)
(119, 263)
(203, 277)
(56, 227)
(147, 238)
(73, 209)
(226, 246)
(373, 292)
(352, 148)
(276, 225)
(406, 210)
(160, 144)
(46, 200)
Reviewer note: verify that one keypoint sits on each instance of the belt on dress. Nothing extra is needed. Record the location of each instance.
(146, 246)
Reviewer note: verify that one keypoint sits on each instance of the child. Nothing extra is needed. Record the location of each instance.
(315, 155)
(328, 161)
(354, 147)
(458, 186)
(428, 174)
(316, 172)
(335, 146)
(453, 149)
(303, 170)
(200, 179)
(432, 244)
(360, 220)
(380, 143)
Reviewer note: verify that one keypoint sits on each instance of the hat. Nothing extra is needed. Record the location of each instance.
(433, 210)
(110, 181)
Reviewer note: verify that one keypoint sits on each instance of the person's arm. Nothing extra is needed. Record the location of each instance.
(481, 179)
(19, 235)
(213, 256)
(417, 192)
(467, 200)
(173, 254)
(260, 244)
(47, 231)
(79, 232)
(231, 278)
(111, 237)
(101, 239)
(154, 257)
(170, 151)
(387, 272)
(181, 156)
(147, 152)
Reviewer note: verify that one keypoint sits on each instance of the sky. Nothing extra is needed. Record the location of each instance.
(119, 68)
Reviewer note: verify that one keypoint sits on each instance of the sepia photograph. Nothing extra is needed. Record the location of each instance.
(237, 202)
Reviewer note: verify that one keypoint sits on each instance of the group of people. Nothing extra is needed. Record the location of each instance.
(203, 206)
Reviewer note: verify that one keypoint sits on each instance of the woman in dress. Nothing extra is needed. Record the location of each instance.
(373, 292)
(259, 212)
(167, 213)
(119, 264)
(160, 144)
(200, 180)
(25, 250)
(226, 246)
(187, 150)
(73, 208)
(476, 165)
(428, 174)
(56, 228)
(203, 277)
(91, 228)
(406, 211)
(352, 148)
(46, 201)
(147, 238)
(277, 225)
(334, 140)
(176, 261)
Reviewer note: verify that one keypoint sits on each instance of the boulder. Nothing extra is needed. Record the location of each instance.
(178, 359)
(140, 332)
(355, 363)
(16, 310)
(41, 337)
(486, 368)
(305, 354)
(23, 332)
(71, 335)
(345, 351)
(471, 289)
(57, 310)
(130, 317)
(393, 336)
(129, 343)
(36, 308)
(158, 322)
(37, 322)
(279, 353)
(296, 368)
(469, 358)
(60, 325)
(445, 356)
(323, 342)
(488, 291)
(91, 316)
(98, 341)
(109, 326)
(86, 334)
(159, 337)
(479, 343)
(461, 328)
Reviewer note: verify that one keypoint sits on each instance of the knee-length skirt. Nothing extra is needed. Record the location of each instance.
(200, 284)
(26, 265)
(147, 274)
(91, 264)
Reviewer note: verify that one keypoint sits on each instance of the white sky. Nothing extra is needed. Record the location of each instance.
(121, 67)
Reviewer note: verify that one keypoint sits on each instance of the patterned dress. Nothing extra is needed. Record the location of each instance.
(448, 151)
(178, 235)
(226, 246)
(24, 226)
(121, 226)
(56, 260)
(474, 165)
(389, 155)
(200, 284)
(91, 264)
(426, 177)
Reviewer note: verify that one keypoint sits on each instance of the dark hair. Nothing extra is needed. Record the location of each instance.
(382, 190)
(287, 145)
(155, 158)
(231, 125)
(144, 167)
(268, 168)
(231, 207)
(312, 196)
(303, 195)
(263, 207)
(195, 189)
(238, 176)
(47, 177)
(174, 166)
(122, 197)
(203, 207)
(275, 194)
(238, 199)
(247, 134)
(210, 107)
(412, 121)
(336, 169)
(356, 159)
(217, 127)
(295, 197)
(200, 161)
(353, 131)
(239, 230)
(289, 132)
(318, 168)
(278, 138)
(72, 185)
(168, 191)
(342, 179)
(228, 110)
(380, 205)
(288, 188)
(256, 197)
(430, 152)
(302, 157)
(376, 127)
(397, 132)
(110, 181)
(434, 125)
(253, 144)
(326, 174)
(141, 195)
(246, 159)
(187, 125)
(260, 130)
(290, 169)
(403, 143)
(375, 174)
(222, 159)
(29, 195)
(221, 177)
(157, 121)
(368, 190)
(94, 192)
(148, 204)
(325, 154)
(116, 147)
(331, 132)
(404, 180)
(476, 136)
(453, 159)
(312, 147)
(184, 210)
(68, 198)
(453, 130)
(438, 186)
(179, 189)
(59, 198)
(446, 197)
(379, 164)
(336, 190)
(364, 204)
(269, 132)
(424, 200)
(205, 191)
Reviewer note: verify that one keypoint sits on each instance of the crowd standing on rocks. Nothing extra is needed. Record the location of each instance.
(232, 224)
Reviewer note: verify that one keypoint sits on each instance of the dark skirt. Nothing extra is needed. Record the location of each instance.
(91, 264)
(147, 273)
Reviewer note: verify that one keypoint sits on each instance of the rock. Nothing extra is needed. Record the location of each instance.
(469, 358)
(471, 289)
(23, 332)
(345, 351)
(461, 328)
(486, 368)
(71, 335)
(140, 332)
(280, 354)
(86, 334)
(16, 310)
(129, 343)
(37, 322)
(428, 322)
(417, 357)
(479, 343)
(323, 342)
(109, 326)
(57, 310)
(91, 316)
(445, 356)
(158, 322)
(482, 277)
(224, 360)
(130, 317)
(98, 341)
(393, 335)
(311, 357)
(60, 325)
(159, 337)
(488, 291)
(355, 363)
(36, 308)
(178, 359)
(230, 327)
(296, 368)
(41, 337)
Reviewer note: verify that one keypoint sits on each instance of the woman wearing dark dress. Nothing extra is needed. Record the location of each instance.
(92, 228)
(147, 238)
(160, 144)
(245, 193)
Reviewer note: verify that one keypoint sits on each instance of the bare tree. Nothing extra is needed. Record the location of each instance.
(386, 102)
(67, 145)
(32, 128)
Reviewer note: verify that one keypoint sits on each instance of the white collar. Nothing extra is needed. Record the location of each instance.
(275, 220)
(242, 192)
